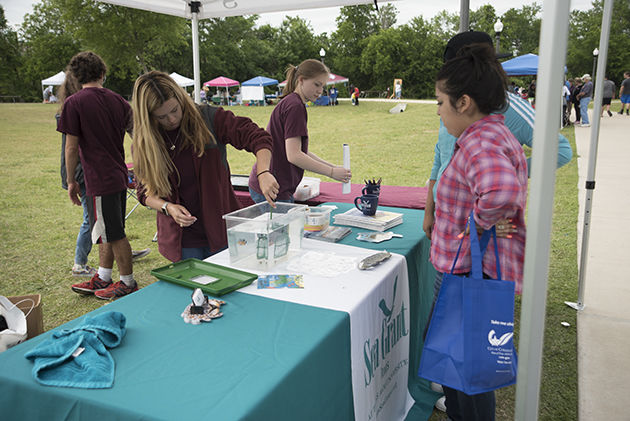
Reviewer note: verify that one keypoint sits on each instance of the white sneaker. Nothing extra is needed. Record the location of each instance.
(440, 404)
(437, 387)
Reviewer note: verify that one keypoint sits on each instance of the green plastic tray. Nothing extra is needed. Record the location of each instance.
(184, 273)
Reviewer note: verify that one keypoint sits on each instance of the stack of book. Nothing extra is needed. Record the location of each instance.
(382, 221)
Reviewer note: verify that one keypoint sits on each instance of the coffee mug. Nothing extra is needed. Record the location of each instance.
(367, 204)
(371, 189)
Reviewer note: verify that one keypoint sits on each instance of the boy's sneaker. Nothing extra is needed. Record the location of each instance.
(436, 387)
(440, 404)
(117, 290)
(92, 286)
(83, 270)
(609, 113)
(139, 254)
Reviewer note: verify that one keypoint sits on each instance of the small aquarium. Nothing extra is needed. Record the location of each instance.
(260, 236)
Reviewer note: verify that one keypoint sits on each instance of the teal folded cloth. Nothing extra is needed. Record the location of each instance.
(79, 357)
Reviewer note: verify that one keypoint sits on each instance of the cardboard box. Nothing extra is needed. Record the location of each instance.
(34, 319)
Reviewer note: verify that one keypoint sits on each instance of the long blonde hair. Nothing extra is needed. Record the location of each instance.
(151, 160)
(308, 69)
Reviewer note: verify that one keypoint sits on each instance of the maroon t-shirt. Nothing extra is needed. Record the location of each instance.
(99, 118)
(288, 119)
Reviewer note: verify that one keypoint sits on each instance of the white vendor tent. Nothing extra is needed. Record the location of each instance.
(182, 81)
(55, 79)
(204, 9)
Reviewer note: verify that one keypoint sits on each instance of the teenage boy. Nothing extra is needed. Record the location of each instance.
(94, 121)
(624, 94)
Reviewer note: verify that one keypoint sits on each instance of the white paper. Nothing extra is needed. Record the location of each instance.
(346, 164)
(204, 279)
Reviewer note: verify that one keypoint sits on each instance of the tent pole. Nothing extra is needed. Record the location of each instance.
(553, 46)
(464, 13)
(194, 8)
(592, 155)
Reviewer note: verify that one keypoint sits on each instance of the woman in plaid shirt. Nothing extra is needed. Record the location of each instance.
(488, 175)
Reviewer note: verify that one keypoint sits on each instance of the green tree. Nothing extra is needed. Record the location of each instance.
(355, 24)
(483, 19)
(387, 16)
(295, 42)
(47, 46)
(9, 58)
(129, 40)
(584, 34)
(521, 30)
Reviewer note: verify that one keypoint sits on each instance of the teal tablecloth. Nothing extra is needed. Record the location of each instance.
(263, 360)
(415, 247)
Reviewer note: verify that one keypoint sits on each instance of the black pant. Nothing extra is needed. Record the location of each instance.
(463, 407)
(578, 114)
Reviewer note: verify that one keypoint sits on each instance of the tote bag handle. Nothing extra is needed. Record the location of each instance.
(478, 248)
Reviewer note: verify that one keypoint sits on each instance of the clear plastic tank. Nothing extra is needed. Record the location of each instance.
(260, 236)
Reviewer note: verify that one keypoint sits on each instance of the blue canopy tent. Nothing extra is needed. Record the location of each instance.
(252, 90)
(260, 81)
(524, 65)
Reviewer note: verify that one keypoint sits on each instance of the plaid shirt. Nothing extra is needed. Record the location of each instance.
(487, 174)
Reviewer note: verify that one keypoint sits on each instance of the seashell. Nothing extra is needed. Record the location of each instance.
(374, 260)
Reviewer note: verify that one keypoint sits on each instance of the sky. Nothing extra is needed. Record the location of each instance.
(323, 20)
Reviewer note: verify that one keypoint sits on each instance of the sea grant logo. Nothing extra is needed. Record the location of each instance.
(394, 326)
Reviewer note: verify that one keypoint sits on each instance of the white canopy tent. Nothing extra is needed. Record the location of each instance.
(55, 79)
(203, 9)
(553, 48)
(182, 81)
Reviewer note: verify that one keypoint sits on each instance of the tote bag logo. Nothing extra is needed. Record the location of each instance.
(494, 341)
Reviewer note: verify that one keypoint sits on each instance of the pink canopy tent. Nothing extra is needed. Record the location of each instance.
(332, 80)
(222, 81)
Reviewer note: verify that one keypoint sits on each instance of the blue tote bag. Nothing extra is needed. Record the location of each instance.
(469, 344)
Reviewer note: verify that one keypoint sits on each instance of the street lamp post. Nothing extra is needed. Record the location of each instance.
(322, 54)
(498, 28)
(595, 54)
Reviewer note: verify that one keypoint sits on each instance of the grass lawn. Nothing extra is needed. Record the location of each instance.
(38, 223)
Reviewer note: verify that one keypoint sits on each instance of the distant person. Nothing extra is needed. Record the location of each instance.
(531, 92)
(608, 93)
(569, 84)
(398, 91)
(180, 160)
(355, 96)
(333, 96)
(585, 96)
(624, 94)
(48, 92)
(565, 95)
(288, 126)
(94, 121)
(575, 99)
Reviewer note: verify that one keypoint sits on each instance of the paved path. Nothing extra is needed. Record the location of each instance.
(604, 323)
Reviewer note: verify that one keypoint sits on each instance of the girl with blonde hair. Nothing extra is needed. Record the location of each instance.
(179, 154)
(288, 128)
